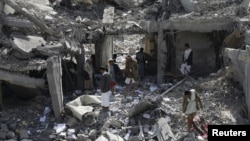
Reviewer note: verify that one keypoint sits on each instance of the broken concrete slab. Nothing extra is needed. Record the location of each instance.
(188, 5)
(24, 134)
(8, 10)
(21, 80)
(162, 130)
(14, 22)
(25, 44)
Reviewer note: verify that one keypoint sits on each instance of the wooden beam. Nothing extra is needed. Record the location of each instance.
(33, 19)
(54, 77)
(21, 80)
(17, 23)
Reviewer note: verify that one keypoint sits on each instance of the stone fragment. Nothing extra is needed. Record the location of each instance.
(24, 134)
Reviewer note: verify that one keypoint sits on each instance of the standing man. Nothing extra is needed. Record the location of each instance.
(90, 70)
(190, 105)
(187, 60)
(105, 88)
(130, 73)
(141, 60)
(115, 74)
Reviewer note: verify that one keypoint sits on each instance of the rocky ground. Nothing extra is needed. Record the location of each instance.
(223, 100)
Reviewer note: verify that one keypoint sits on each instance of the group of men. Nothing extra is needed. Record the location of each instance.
(133, 72)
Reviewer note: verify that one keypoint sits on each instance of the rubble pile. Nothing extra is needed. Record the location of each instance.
(131, 117)
(38, 29)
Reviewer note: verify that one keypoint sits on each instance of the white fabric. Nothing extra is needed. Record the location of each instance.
(185, 69)
(191, 107)
(105, 99)
(186, 53)
(129, 80)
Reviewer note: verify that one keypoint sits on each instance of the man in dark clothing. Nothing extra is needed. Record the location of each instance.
(187, 60)
(115, 73)
(141, 60)
(105, 88)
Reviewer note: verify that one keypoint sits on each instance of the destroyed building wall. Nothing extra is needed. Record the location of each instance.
(203, 52)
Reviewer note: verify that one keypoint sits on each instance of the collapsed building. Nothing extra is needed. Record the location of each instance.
(41, 42)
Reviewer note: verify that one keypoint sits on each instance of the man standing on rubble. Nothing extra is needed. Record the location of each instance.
(187, 60)
(191, 104)
(141, 60)
(115, 74)
(88, 67)
(105, 88)
(130, 73)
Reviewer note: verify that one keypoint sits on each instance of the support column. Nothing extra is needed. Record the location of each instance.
(1, 96)
(247, 83)
(1, 12)
(164, 5)
(104, 51)
(80, 63)
(54, 76)
(161, 56)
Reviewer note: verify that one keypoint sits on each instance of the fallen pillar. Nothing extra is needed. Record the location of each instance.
(54, 76)
(141, 107)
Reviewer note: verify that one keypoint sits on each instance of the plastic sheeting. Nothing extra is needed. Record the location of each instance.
(79, 106)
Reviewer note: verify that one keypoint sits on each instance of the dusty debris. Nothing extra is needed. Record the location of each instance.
(45, 31)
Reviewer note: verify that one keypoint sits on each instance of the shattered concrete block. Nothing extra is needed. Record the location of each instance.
(188, 5)
(82, 137)
(8, 10)
(53, 136)
(4, 127)
(115, 124)
(71, 122)
(26, 140)
(108, 15)
(134, 138)
(10, 135)
(93, 134)
(71, 132)
(25, 44)
(71, 137)
(2, 135)
(63, 134)
(140, 108)
(24, 134)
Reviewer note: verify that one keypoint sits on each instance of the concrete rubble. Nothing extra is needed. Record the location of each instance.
(42, 41)
(157, 121)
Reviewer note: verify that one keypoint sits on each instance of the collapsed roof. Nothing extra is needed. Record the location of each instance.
(38, 29)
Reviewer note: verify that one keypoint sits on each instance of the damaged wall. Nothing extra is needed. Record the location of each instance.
(203, 52)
